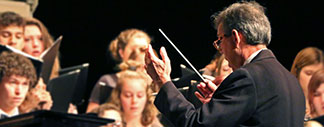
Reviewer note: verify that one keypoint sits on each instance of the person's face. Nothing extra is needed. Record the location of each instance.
(34, 44)
(306, 74)
(13, 91)
(135, 50)
(318, 100)
(133, 97)
(227, 47)
(12, 36)
(225, 70)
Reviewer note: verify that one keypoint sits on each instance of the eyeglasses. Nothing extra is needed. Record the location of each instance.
(217, 42)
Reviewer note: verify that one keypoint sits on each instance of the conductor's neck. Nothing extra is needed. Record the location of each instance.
(248, 50)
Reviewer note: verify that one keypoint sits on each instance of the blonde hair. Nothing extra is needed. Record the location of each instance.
(219, 64)
(305, 57)
(123, 39)
(104, 107)
(130, 65)
(211, 68)
(48, 42)
(136, 66)
(149, 112)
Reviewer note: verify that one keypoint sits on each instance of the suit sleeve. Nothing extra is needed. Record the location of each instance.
(232, 103)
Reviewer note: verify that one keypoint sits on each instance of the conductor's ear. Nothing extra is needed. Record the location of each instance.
(236, 37)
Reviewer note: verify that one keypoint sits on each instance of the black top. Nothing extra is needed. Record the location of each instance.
(102, 90)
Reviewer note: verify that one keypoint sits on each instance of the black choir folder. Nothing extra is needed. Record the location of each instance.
(43, 65)
(69, 87)
(81, 83)
(48, 57)
(62, 89)
(43, 118)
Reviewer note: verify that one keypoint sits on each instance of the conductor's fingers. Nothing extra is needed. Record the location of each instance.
(164, 55)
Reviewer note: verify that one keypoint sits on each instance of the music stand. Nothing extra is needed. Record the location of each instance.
(42, 118)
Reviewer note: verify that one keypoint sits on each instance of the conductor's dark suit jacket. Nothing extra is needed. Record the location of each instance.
(260, 93)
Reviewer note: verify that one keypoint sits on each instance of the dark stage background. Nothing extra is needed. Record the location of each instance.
(88, 27)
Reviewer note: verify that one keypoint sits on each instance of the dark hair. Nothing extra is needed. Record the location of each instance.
(11, 18)
(15, 64)
(248, 18)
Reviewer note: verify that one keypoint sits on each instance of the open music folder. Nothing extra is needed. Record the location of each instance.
(44, 64)
(36, 62)
(48, 57)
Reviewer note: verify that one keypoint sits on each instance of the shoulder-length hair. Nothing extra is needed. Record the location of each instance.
(315, 82)
(47, 40)
(149, 112)
(305, 57)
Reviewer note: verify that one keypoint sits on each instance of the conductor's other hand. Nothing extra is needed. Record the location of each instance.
(159, 70)
(207, 89)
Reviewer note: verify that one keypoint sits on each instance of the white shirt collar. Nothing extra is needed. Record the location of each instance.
(251, 57)
(16, 112)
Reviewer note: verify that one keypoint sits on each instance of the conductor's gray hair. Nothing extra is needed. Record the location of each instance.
(248, 18)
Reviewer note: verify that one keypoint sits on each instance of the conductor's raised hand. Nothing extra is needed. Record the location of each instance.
(159, 70)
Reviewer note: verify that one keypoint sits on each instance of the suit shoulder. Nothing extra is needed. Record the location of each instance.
(238, 77)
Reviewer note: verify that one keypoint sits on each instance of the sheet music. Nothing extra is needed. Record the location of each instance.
(21, 52)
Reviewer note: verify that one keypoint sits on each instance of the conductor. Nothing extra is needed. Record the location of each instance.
(259, 92)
